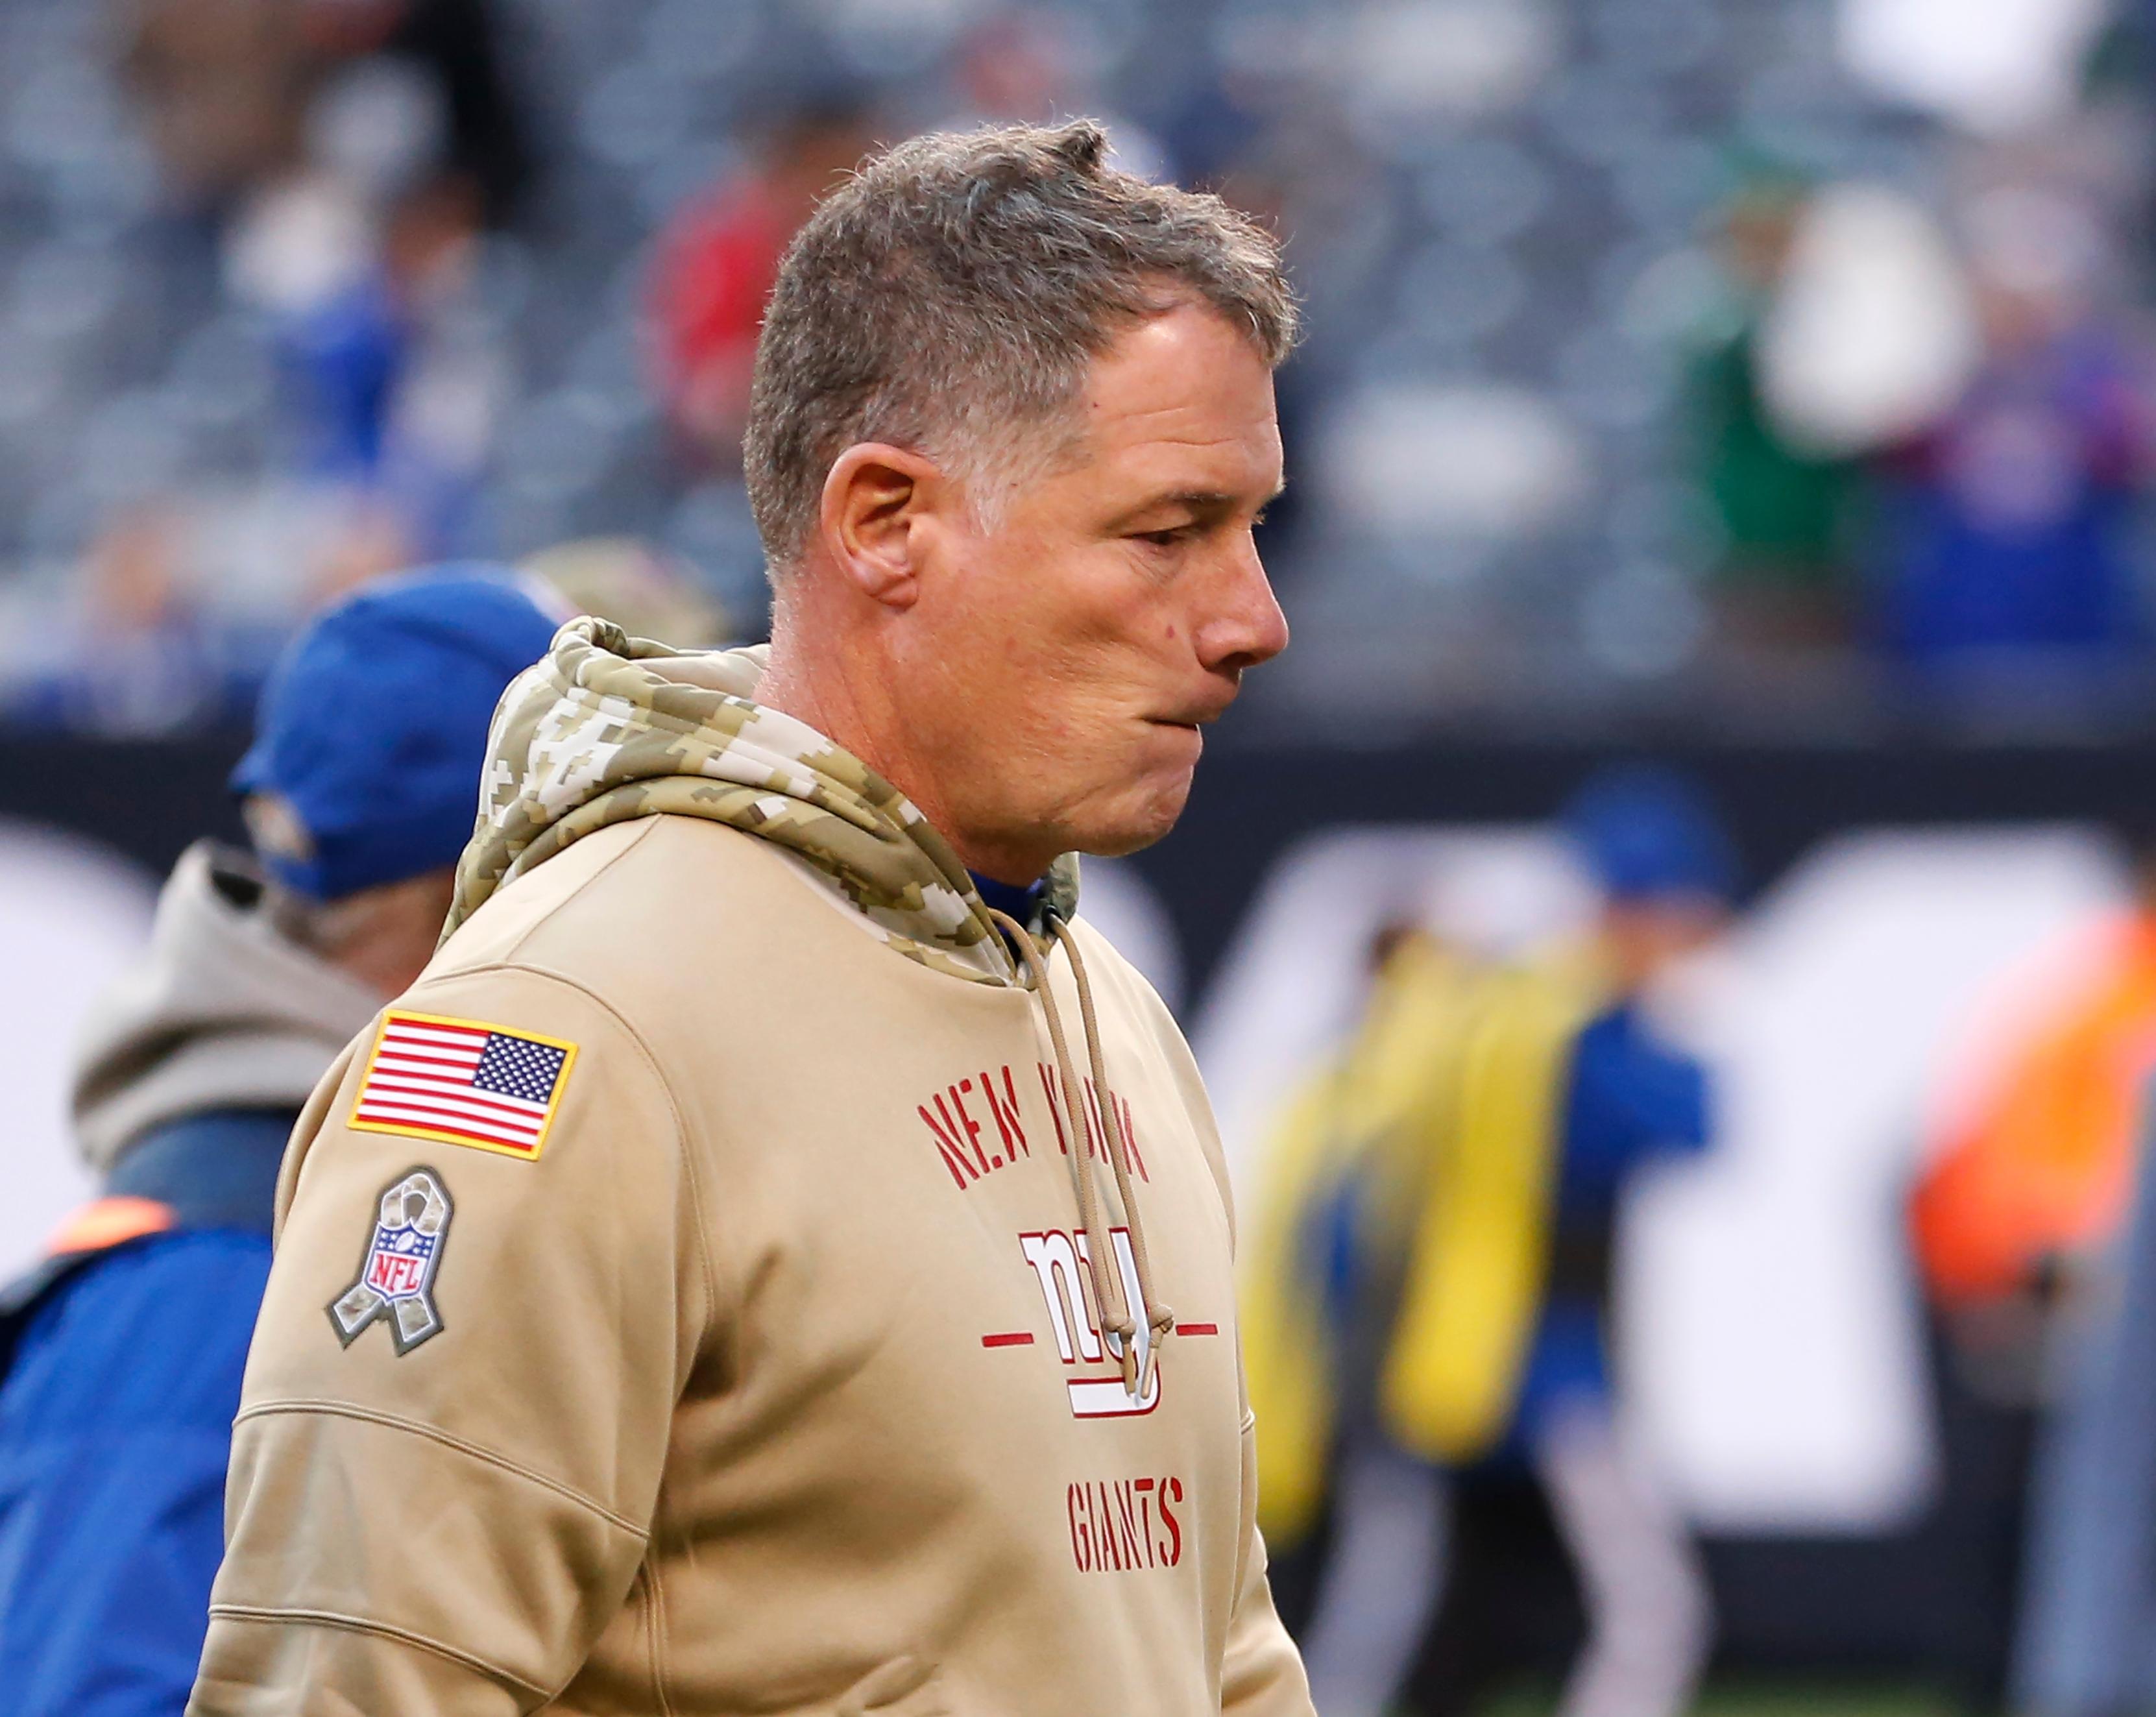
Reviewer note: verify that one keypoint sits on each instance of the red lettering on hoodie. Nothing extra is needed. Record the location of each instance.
(1096, 1130)
(1173, 1555)
(1004, 1111)
(1055, 1108)
(1111, 1524)
(963, 1172)
(1127, 1521)
(1081, 1531)
(973, 1127)
(958, 1135)
(1095, 1126)
(964, 1143)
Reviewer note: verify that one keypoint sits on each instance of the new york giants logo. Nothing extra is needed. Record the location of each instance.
(1062, 1263)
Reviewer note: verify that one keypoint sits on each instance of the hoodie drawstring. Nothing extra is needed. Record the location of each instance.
(1158, 1318)
(1115, 1311)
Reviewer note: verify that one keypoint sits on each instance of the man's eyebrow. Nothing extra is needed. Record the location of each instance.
(1198, 501)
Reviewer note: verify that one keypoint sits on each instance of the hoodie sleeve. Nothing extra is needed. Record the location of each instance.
(448, 1453)
(1261, 1673)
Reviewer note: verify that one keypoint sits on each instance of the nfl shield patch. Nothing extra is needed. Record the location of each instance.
(397, 1276)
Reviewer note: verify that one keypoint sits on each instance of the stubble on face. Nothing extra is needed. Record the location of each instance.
(1075, 643)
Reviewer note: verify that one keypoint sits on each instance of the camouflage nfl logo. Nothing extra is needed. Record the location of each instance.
(397, 1276)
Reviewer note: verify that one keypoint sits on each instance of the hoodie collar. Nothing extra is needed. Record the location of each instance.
(606, 727)
(1023, 904)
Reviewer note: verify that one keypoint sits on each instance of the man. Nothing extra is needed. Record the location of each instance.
(126, 1345)
(1435, 1260)
(748, 1272)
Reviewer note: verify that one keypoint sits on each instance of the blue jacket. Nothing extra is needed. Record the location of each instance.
(1629, 1099)
(120, 1373)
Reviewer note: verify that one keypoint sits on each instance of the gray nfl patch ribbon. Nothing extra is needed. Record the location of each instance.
(397, 1276)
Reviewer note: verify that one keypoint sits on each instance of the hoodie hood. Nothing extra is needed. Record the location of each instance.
(222, 1013)
(606, 727)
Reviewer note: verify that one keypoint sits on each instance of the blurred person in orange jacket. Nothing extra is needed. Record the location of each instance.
(2026, 1190)
(2036, 1175)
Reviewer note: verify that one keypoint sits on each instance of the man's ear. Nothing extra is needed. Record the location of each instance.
(876, 500)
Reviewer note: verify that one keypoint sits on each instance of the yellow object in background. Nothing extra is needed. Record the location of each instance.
(1439, 1120)
(1480, 1249)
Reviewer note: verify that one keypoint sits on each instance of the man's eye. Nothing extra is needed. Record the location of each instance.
(1165, 539)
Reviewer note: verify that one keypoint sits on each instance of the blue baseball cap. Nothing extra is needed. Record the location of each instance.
(1647, 832)
(371, 734)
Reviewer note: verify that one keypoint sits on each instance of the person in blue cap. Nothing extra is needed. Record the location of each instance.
(1667, 874)
(121, 1355)
(1429, 1269)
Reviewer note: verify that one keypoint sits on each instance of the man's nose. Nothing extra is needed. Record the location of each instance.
(1246, 625)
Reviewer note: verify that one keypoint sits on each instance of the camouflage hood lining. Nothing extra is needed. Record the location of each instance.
(606, 727)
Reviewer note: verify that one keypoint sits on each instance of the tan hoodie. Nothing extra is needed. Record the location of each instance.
(750, 1258)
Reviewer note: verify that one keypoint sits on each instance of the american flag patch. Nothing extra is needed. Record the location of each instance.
(462, 1081)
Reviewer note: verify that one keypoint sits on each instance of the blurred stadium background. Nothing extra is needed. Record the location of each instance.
(1762, 385)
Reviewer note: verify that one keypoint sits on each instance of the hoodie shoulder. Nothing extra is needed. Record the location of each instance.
(499, 930)
(614, 909)
(1112, 970)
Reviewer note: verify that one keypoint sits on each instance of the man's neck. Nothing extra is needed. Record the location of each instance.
(791, 686)
(858, 717)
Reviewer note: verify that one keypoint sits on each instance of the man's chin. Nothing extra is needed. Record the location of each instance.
(1136, 824)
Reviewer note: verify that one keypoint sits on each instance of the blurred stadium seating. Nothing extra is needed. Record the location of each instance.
(1511, 219)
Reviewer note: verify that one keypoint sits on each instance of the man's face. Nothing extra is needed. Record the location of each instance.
(1643, 938)
(1066, 653)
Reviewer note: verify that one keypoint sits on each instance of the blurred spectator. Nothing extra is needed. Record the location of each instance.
(715, 261)
(224, 86)
(1434, 1261)
(1339, 1179)
(359, 234)
(121, 1357)
(2030, 1183)
(2007, 524)
(136, 658)
(1784, 571)
(361, 537)
(455, 47)
(232, 89)
(399, 372)
(2021, 1204)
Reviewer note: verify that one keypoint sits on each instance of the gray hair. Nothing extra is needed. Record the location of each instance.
(951, 296)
